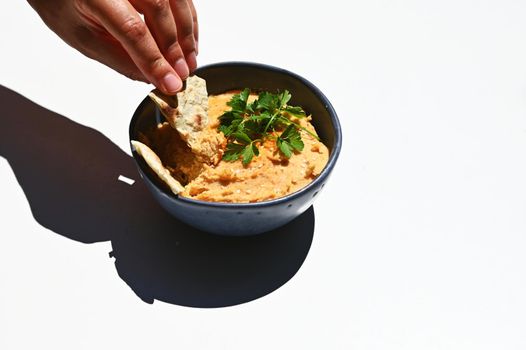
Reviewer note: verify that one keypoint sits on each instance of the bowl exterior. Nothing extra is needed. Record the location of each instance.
(234, 220)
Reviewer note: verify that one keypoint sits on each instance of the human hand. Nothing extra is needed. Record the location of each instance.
(161, 49)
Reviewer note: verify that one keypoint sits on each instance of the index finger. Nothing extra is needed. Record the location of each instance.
(123, 22)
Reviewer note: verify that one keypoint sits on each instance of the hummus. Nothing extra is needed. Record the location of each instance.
(269, 175)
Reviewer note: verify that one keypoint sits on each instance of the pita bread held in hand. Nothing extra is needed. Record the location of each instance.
(188, 114)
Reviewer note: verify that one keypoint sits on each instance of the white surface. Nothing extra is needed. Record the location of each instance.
(420, 235)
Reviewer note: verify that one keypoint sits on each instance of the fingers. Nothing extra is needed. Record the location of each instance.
(160, 20)
(123, 22)
(184, 19)
(173, 24)
(163, 46)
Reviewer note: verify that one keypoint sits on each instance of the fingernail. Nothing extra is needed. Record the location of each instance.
(182, 68)
(191, 59)
(171, 83)
(196, 47)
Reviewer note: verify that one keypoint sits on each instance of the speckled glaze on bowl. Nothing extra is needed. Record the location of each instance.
(240, 219)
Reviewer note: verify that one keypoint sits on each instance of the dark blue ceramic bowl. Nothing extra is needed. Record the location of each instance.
(246, 218)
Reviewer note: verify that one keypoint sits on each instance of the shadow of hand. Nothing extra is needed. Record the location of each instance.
(69, 173)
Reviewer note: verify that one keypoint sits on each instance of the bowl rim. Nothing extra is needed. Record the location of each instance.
(333, 157)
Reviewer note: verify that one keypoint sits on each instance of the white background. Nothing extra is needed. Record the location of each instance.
(420, 237)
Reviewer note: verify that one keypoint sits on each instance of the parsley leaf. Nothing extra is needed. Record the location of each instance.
(283, 98)
(267, 101)
(232, 152)
(297, 112)
(239, 101)
(289, 140)
(249, 152)
(241, 137)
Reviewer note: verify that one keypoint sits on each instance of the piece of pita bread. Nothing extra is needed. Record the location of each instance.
(156, 165)
(189, 116)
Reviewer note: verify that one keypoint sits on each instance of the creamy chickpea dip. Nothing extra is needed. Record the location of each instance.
(269, 175)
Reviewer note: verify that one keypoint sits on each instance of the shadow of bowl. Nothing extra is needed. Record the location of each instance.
(73, 190)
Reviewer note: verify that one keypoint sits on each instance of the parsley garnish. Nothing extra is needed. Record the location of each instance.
(247, 124)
